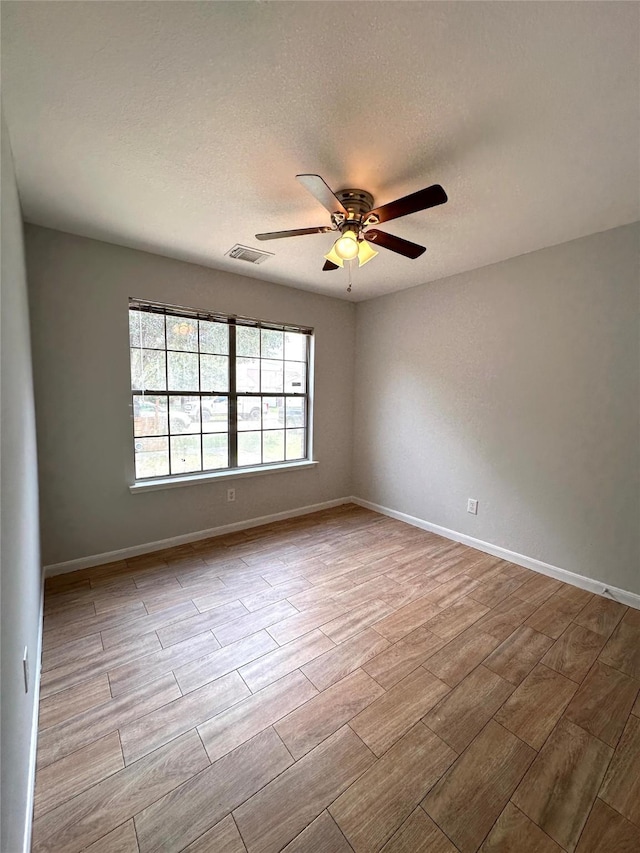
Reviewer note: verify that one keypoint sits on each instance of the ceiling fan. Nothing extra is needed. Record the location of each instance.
(353, 214)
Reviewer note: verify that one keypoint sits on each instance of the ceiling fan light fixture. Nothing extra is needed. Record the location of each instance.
(351, 212)
(334, 257)
(365, 253)
(346, 246)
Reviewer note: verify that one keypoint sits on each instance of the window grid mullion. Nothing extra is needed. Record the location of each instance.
(233, 399)
(307, 378)
(166, 385)
(261, 397)
(200, 399)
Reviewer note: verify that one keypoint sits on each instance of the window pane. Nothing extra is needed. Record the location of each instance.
(295, 444)
(185, 454)
(272, 412)
(248, 374)
(148, 370)
(272, 344)
(150, 415)
(295, 412)
(271, 375)
(214, 337)
(183, 371)
(247, 341)
(184, 413)
(249, 413)
(249, 448)
(216, 451)
(214, 372)
(273, 446)
(146, 330)
(295, 346)
(294, 377)
(181, 421)
(182, 334)
(215, 414)
(152, 457)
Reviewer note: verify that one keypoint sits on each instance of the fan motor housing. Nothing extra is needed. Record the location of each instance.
(357, 202)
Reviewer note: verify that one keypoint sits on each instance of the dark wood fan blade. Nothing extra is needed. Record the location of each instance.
(423, 199)
(395, 244)
(329, 265)
(323, 193)
(297, 232)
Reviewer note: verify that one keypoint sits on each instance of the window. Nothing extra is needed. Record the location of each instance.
(212, 392)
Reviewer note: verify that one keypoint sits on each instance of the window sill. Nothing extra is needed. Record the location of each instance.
(212, 476)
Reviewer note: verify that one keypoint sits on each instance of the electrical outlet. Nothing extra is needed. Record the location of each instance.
(472, 506)
(25, 669)
(231, 495)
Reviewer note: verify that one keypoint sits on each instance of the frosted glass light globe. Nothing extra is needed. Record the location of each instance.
(347, 246)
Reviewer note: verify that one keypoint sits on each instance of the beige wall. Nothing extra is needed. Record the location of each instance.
(516, 384)
(20, 575)
(79, 290)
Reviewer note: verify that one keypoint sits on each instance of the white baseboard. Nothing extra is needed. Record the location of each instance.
(37, 663)
(631, 599)
(184, 539)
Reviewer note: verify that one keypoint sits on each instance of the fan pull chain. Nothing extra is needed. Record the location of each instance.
(349, 266)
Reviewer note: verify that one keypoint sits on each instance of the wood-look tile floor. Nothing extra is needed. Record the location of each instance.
(336, 682)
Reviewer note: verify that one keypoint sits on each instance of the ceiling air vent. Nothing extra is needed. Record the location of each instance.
(245, 253)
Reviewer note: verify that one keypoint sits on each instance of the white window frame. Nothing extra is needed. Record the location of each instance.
(233, 395)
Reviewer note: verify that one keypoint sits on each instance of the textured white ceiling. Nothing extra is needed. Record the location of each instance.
(179, 127)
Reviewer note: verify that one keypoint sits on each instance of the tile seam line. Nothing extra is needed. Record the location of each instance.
(484, 838)
(90, 787)
(539, 827)
(106, 734)
(275, 778)
(378, 759)
(175, 737)
(420, 806)
(538, 754)
(237, 668)
(327, 807)
(269, 725)
(591, 734)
